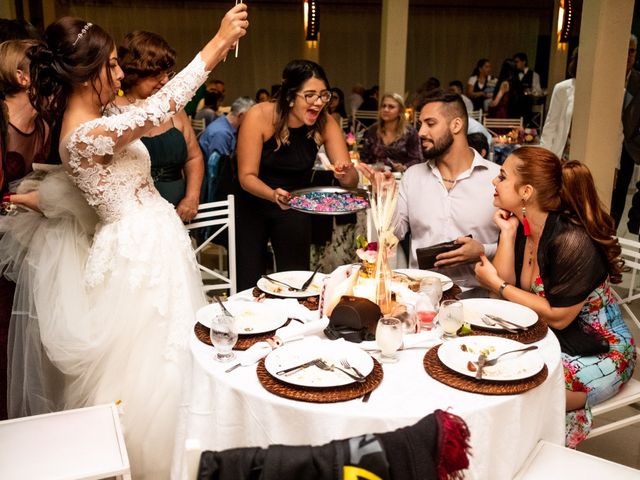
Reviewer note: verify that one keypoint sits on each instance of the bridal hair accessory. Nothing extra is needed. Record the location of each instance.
(525, 221)
(82, 33)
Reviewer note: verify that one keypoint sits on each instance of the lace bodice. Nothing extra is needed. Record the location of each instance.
(105, 156)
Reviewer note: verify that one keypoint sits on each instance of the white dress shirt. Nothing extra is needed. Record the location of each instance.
(433, 215)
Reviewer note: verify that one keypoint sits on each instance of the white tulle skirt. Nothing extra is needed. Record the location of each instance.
(102, 313)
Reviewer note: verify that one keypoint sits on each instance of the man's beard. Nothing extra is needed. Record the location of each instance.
(440, 147)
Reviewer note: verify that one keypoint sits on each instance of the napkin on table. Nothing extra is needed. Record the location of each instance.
(293, 331)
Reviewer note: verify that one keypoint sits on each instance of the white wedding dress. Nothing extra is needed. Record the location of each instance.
(105, 304)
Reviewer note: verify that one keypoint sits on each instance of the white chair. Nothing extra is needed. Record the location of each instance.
(361, 115)
(198, 125)
(550, 461)
(344, 123)
(476, 115)
(222, 215)
(501, 123)
(86, 443)
(630, 393)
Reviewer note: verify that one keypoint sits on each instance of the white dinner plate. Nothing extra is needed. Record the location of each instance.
(251, 317)
(297, 353)
(459, 353)
(474, 308)
(447, 283)
(295, 279)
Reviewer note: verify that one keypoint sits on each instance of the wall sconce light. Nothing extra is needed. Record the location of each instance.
(565, 21)
(311, 20)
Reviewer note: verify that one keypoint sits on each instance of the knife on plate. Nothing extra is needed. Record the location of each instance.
(482, 358)
(506, 323)
(298, 367)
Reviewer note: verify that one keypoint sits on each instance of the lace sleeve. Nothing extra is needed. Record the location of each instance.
(96, 141)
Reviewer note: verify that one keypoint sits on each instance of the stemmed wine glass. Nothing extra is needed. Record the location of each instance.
(224, 335)
(389, 338)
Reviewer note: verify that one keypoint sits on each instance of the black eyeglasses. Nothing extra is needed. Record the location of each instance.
(312, 98)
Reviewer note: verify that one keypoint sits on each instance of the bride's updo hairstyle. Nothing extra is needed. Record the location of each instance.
(568, 187)
(72, 52)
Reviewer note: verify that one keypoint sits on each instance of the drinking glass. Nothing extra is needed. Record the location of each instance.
(389, 338)
(224, 335)
(451, 317)
(432, 286)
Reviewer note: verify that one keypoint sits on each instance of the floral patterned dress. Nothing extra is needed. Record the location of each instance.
(599, 376)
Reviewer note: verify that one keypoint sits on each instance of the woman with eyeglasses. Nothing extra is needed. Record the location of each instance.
(277, 147)
(391, 141)
(177, 167)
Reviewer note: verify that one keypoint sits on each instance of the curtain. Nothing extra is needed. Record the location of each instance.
(442, 42)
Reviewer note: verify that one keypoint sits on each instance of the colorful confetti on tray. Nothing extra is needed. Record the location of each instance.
(328, 201)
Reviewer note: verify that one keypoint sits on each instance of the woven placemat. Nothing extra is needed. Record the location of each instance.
(443, 374)
(311, 303)
(320, 395)
(244, 341)
(534, 333)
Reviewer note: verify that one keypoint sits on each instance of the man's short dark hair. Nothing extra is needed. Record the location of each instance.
(456, 83)
(452, 103)
(521, 56)
(478, 142)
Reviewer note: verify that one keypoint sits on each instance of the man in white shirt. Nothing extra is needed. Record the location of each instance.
(529, 79)
(451, 195)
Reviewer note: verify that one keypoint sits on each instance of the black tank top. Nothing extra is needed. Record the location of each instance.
(290, 166)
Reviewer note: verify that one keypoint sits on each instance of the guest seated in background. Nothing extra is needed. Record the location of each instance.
(336, 105)
(370, 99)
(210, 110)
(449, 196)
(558, 255)
(218, 144)
(479, 143)
(147, 61)
(391, 141)
(455, 86)
(262, 95)
(213, 85)
(476, 127)
(506, 100)
(478, 84)
(277, 148)
(355, 99)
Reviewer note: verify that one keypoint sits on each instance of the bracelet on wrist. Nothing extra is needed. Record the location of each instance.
(501, 289)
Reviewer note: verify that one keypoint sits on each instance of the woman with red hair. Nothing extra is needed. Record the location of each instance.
(558, 255)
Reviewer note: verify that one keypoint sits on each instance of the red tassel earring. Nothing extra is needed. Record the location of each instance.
(525, 221)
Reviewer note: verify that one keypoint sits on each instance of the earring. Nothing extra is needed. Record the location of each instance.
(525, 221)
(85, 84)
(291, 104)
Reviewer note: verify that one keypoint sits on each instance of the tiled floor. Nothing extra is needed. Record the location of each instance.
(621, 446)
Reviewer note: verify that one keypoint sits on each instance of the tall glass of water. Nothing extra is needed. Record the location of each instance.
(389, 338)
(224, 335)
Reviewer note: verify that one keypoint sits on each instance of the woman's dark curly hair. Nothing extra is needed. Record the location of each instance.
(144, 54)
(73, 51)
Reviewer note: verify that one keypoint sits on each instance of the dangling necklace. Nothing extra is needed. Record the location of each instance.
(448, 180)
(531, 248)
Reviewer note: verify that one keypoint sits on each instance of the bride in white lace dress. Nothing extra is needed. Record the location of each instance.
(105, 302)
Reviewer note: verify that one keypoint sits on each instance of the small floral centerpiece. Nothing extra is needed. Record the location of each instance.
(521, 135)
(367, 252)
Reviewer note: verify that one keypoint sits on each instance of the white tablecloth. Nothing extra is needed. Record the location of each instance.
(229, 410)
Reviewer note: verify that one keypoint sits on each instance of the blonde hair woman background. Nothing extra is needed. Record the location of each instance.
(391, 140)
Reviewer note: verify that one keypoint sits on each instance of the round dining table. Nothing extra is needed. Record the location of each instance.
(229, 410)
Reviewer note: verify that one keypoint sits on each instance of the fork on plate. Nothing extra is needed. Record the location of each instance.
(323, 365)
(345, 363)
